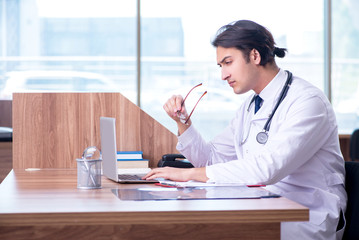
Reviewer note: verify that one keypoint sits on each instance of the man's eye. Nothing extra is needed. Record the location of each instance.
(228, 62)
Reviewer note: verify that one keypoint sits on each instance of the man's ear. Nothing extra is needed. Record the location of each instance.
(255, 56)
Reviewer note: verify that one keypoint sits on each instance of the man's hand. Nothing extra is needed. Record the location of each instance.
(176, 110)
(178, 174)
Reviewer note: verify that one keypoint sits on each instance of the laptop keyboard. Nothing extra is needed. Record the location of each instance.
(128, 177)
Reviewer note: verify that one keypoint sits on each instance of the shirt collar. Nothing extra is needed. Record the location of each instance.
(273, 89)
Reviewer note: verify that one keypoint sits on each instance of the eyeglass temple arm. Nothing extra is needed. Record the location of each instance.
(189, 93)
(194, 107)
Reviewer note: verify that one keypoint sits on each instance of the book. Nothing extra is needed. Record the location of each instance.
(132, 163)
(129, 155)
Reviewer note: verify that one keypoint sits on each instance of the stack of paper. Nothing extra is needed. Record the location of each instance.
(131, 159)
(191, 183)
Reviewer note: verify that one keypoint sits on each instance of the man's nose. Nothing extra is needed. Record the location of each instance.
(225, 75)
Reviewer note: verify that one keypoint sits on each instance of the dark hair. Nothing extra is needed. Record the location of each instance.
(247, 35)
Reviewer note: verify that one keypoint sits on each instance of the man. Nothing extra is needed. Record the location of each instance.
(295, 152)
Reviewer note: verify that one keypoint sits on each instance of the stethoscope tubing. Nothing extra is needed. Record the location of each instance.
(281, 98)
(262, 136)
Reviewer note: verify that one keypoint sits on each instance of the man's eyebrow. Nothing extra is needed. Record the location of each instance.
(223, 60)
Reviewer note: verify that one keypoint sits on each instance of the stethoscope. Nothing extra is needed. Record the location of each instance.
(262, 137)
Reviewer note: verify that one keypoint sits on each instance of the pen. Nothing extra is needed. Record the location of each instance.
(166, 185)
(256, 185)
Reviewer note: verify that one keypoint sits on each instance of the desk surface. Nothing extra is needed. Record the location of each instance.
(36, 197)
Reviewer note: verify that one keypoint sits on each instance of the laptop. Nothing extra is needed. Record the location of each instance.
(109, 153)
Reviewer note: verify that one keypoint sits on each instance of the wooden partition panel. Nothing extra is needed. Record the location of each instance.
(344, 140)
(51, 130)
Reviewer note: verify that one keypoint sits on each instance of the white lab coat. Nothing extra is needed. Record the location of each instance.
(301, 160)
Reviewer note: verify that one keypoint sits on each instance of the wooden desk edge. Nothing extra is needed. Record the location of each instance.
(149, 218)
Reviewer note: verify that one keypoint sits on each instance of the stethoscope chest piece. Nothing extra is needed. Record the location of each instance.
(262, 137)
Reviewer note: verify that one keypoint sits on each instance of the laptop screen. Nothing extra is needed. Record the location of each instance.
(108, 147)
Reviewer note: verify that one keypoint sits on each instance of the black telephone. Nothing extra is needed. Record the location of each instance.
(174, 160)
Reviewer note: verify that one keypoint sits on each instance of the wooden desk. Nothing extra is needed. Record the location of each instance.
(46, 204)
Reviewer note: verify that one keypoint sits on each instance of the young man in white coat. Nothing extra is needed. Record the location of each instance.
(295, 152)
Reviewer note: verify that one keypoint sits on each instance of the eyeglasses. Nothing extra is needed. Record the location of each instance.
(182, 116)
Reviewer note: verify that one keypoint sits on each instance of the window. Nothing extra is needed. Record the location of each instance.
(92, 44)
(65, 40)
(345, 64)
(193, 24)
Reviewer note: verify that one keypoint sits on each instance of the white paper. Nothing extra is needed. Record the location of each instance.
(199, 184)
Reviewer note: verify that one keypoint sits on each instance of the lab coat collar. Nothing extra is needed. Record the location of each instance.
(270, 95)
(274, 86)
